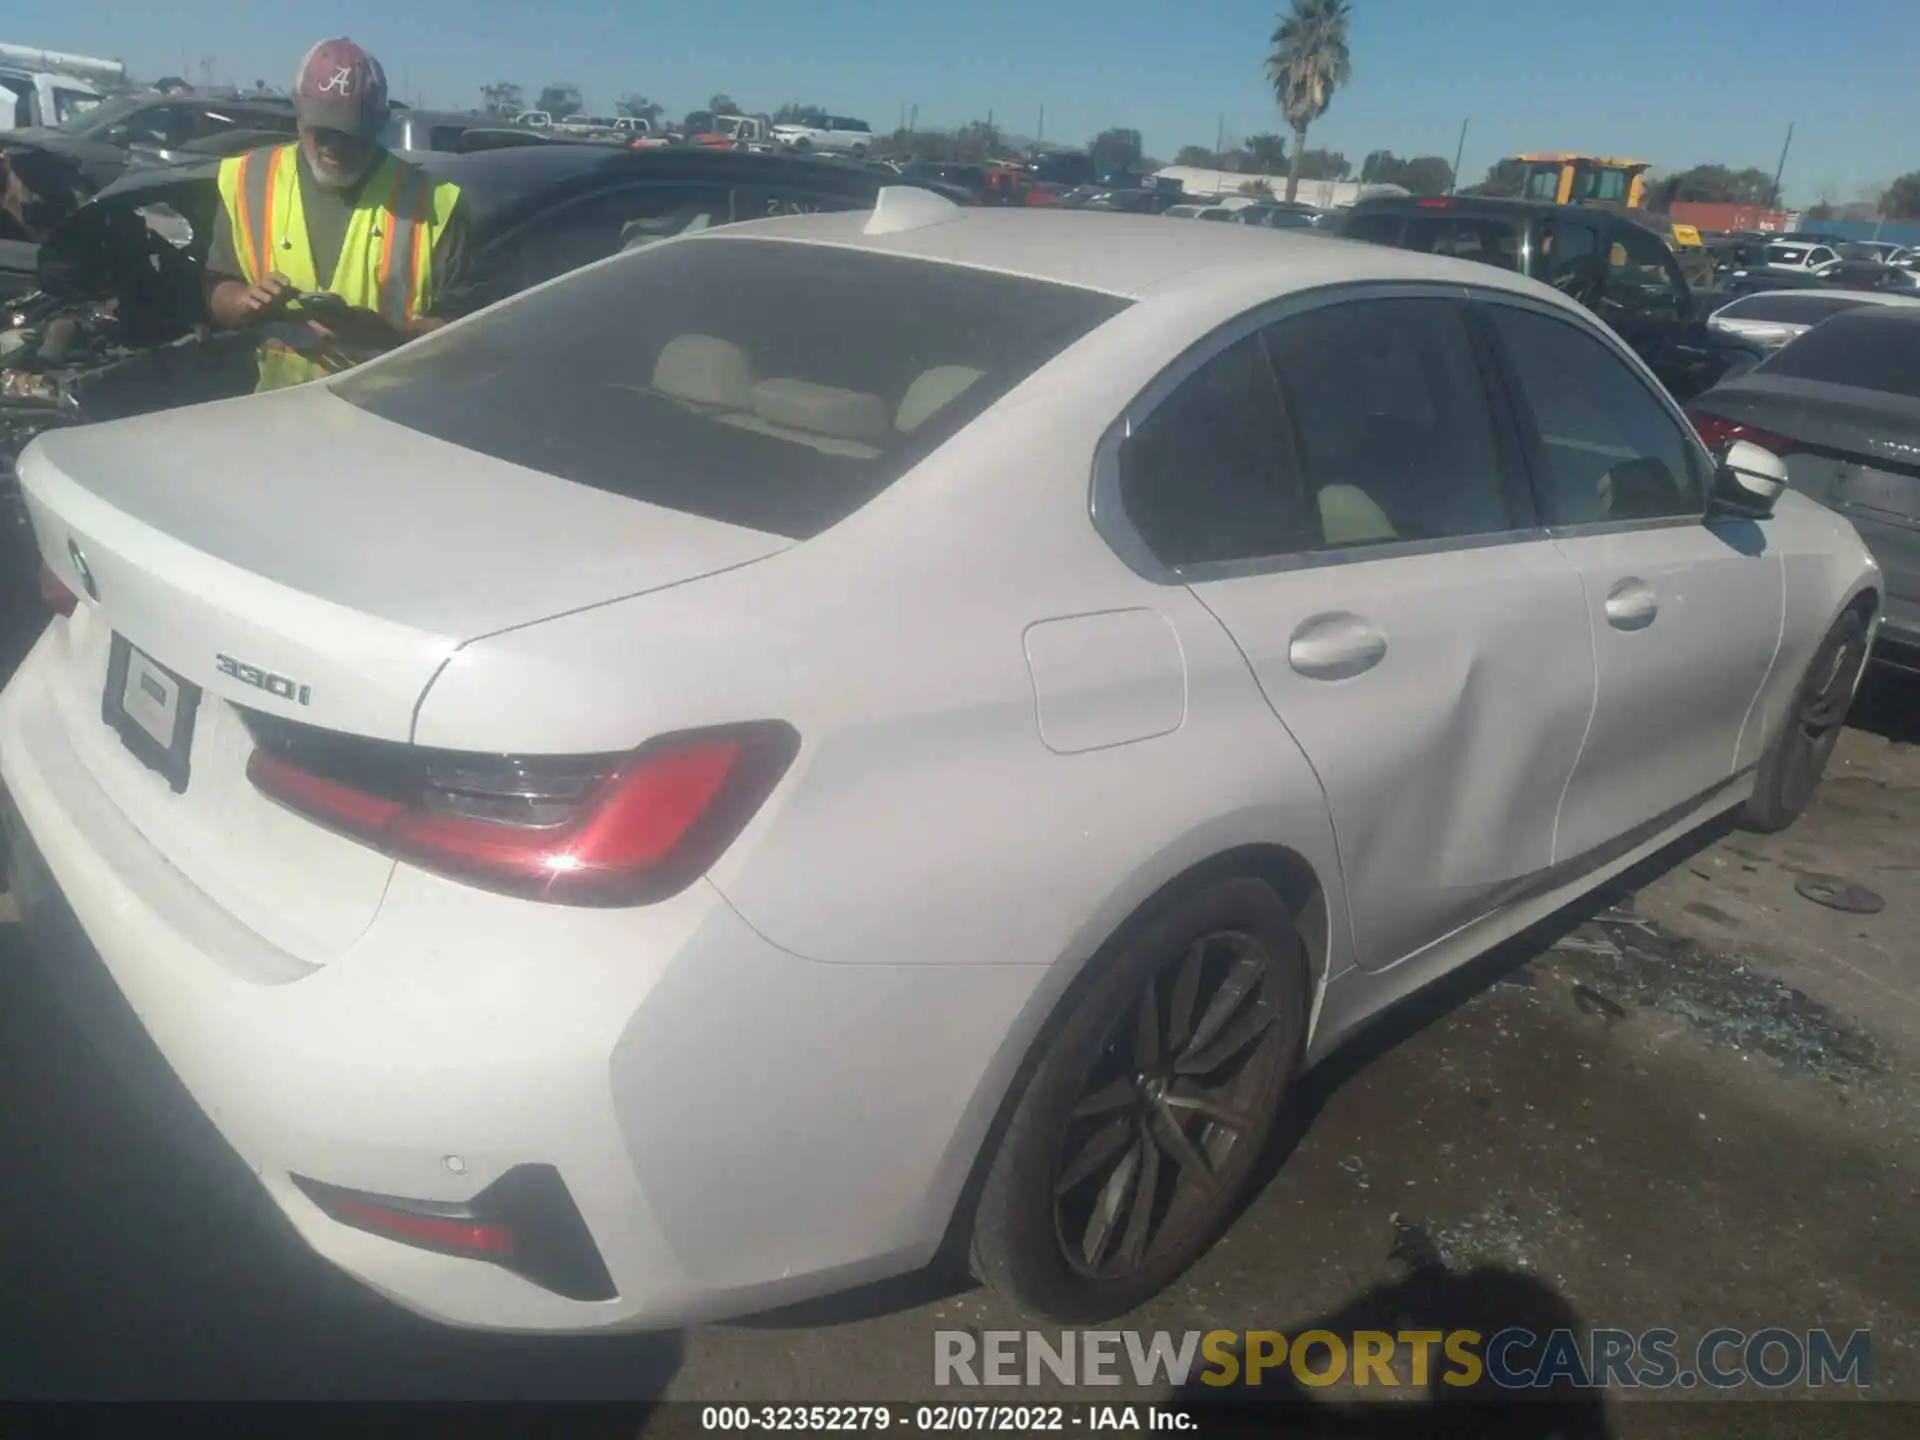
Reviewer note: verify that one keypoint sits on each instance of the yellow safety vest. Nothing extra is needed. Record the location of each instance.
(386, 259)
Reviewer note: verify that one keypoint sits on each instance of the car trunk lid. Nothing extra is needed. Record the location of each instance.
(295, 556)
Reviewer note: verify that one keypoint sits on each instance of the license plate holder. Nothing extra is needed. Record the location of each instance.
(152, 710)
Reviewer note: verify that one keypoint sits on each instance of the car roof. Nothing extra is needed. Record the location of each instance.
(1471, 204)
(1137, 255)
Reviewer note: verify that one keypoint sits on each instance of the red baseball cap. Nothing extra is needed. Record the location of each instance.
(341, 87)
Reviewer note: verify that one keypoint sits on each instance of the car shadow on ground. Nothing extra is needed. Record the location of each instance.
(1888, 705)
(1432, 1299)
(142, 1262)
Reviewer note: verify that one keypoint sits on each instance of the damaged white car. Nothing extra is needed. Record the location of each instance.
(691, 788)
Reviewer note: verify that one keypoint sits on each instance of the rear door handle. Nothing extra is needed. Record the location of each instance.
(1335, 646)
(1631, 604)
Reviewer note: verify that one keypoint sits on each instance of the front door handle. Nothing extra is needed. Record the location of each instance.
(1631, 604)
(1335, 646)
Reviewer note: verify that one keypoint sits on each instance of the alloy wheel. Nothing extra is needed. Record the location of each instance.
(1154, 1147)
(1820, 716)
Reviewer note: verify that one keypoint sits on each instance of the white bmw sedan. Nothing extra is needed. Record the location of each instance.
(692, 787)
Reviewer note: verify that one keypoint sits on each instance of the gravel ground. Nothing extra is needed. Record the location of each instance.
(1690, 1103)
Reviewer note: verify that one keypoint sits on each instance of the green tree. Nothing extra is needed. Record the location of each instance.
(502, 99)
(975, 141)
(793, 113)
(1319, 165)
(1197, 155)
(1309, 62)
(1505, 180)
(1266, 153)
(1116, 149)
(723, 105)
(560, 98)
(639, 106)
(1902, 200)
(1820, 211)
(1713, 185)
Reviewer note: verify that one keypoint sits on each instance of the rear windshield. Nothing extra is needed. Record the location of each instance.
(1866, 348)
(762, 383)
(1789, 308)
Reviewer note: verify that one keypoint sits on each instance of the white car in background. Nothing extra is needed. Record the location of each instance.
(1800, 256)
(837, 134)
(677, 791)
(1771, 318)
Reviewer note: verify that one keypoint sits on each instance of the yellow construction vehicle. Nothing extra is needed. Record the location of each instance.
(1570, 179)
(1564, 178)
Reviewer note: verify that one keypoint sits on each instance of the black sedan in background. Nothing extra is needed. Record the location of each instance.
(1841, 405)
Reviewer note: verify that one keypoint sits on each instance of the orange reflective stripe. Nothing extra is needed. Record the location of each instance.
(243, 249)
(266, 218)
(392, 224)
(400, 255)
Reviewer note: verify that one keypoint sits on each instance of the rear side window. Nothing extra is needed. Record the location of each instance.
(765, 384)
(1865, 348)
(1210, 475)
(1604, 449)
(1489, 241)
(1392, 422)
(1380, 229)
(1356, 424)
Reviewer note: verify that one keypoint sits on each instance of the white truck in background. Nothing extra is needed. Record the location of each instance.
(50, 87)
(835, 135)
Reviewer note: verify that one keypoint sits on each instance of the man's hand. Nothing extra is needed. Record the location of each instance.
(235, 303)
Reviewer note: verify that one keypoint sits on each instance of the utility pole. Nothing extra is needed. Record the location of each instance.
(1459, 151)
(1040, 130)
(903, 114)
(1220, 135)
(913, 118)
(1773, 196)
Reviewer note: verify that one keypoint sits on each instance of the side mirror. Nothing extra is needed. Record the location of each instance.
(1748, 481)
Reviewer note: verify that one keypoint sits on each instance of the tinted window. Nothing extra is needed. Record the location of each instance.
(1640, 274)
(1866, 347)
(1790, 308)
(1378, 228)
(1786, 254)
(1210, 475)
(1391, 418)
(1570, 260)
(1489, 241)
(1605, 448)
(770, 385)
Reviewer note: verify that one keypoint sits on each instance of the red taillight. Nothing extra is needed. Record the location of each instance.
(653, 823)
(1435, 204)
(1717, 433)
(440, 1232)
(54, 592)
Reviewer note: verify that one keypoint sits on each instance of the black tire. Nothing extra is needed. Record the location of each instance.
(1791, 769)
(1086, 1097)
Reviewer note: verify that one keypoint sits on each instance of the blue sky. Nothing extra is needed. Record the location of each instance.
(1677, 82)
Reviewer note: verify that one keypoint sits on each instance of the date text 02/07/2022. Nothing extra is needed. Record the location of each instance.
(943, 1419)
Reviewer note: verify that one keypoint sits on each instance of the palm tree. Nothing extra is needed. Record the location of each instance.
(1309, 62)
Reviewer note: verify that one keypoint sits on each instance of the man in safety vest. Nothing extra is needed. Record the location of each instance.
(336, 213)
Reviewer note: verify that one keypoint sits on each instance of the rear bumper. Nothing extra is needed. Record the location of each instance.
(708, 1101)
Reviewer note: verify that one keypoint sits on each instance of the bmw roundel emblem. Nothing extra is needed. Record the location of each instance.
(83, 570)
